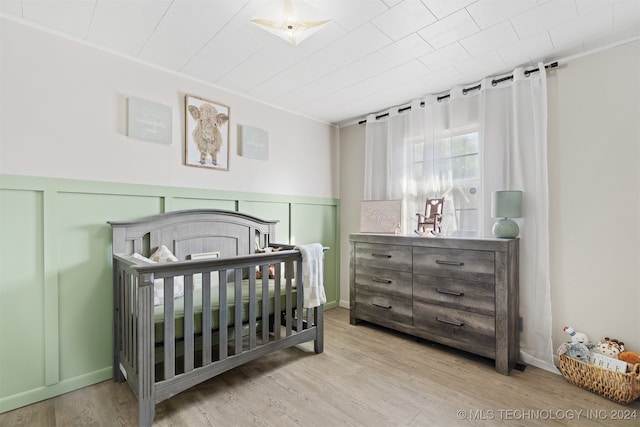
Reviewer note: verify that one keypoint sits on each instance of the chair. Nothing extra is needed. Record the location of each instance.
(432, 216)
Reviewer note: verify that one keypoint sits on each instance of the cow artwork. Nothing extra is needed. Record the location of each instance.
(208, 138)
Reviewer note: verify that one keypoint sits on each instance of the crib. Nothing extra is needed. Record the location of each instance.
(216, 312)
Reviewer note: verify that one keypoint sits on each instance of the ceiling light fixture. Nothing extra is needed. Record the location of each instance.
(295, 22)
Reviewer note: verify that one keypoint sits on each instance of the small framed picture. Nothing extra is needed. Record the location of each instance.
(206, 133)
(381, 216)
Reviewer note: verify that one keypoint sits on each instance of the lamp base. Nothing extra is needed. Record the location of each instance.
(505, 228)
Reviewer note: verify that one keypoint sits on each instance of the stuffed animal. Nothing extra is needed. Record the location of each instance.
(630, 357)
(576, 337)
(576, 350)
(272, 267)
(609, 347)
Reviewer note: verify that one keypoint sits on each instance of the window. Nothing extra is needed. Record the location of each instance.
(450, 167)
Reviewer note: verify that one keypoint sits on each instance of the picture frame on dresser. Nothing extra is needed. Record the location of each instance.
(380, 216)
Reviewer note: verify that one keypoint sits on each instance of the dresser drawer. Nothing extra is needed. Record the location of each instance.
(384, 281)
(383, 308)
(457, 328)
(455, 263)
(391, 257)
(478, 297)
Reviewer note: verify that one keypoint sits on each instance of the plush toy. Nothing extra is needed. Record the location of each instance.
(609, 347)
(576, 337)
(630, 357)
(272, 267)
(576, 350)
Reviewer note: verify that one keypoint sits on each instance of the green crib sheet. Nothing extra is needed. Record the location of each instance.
(215, 316)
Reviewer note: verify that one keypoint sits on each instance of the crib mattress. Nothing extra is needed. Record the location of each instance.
(215, 307)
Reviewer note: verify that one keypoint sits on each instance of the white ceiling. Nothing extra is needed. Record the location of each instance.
(374, 54)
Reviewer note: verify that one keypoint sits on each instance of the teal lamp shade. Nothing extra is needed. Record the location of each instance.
(506, 205)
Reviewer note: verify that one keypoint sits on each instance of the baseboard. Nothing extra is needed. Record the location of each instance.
(41, 393)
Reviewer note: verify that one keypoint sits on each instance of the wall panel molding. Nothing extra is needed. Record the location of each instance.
(61, 288)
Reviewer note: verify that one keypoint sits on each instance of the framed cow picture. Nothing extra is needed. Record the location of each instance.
(206, 133)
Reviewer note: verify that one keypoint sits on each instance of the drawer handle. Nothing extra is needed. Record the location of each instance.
(387, 281)
(388, 307)
(449, 322)
(381, 256)
(454, 293)
(445, 262)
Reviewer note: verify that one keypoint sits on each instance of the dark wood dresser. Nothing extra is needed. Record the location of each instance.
(460, 292)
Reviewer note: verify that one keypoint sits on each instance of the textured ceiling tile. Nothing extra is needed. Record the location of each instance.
(573, 32)
(69, 17)
(522, 51)
(223, 53)
(442, 8)
(11, 7)
(489, 39)
(406, 49)
(486, 65)
(125, 26)
(586, 7)
(369, 66)
(404, 19)
(354, 45)
(546, 16)
(349, 14)
(449, 30)
(627, 14)
(185, 29)
(445, 57)
(487, 13)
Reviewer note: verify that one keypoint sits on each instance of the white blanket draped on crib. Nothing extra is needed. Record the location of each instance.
(312, 274)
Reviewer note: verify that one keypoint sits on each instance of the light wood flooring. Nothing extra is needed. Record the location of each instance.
(367, 376)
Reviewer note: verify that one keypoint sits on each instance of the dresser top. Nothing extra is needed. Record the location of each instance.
(472, 243)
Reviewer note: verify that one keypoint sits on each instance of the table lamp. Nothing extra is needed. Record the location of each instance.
(506, 205)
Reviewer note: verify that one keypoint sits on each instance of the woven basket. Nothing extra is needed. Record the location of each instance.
(620, 387)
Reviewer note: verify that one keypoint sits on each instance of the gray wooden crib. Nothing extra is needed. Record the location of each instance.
(221, 316)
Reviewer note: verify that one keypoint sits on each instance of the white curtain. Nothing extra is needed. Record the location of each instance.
(416, 155)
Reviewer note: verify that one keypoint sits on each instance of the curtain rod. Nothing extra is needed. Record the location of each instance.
(466, 90)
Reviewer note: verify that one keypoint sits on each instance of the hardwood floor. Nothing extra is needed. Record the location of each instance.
(367, 376)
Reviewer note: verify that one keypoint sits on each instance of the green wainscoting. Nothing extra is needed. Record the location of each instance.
(55, 259)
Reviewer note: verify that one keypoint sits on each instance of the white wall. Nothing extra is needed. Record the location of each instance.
(63, 114)
(594, 189)
(594, 181)
(351, 192)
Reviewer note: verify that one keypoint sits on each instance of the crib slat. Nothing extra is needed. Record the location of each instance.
(252, 309)
(276, 307)
(223, 324)
(188, 324)
(122, 345)
(288, 308)
(206, 319)
(237, 323)
(299, 295)
(169, 330)
(133, 316)
(145, 344)
(318, 343)
(118, 277)
(129, 300)
(265, 304)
